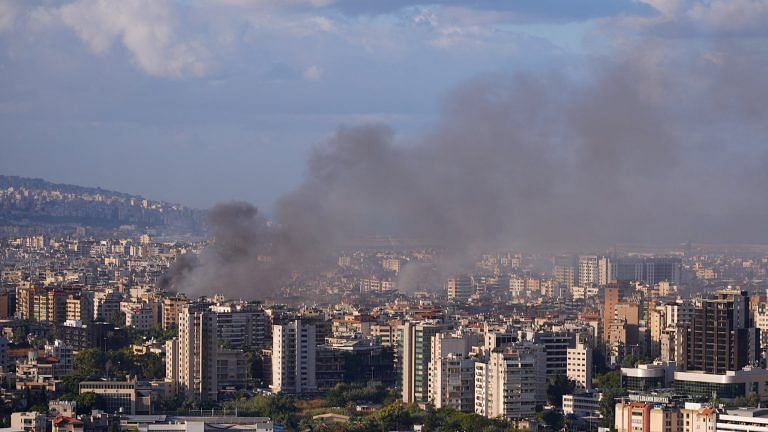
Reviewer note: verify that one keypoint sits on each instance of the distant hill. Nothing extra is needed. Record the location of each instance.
(31, 205)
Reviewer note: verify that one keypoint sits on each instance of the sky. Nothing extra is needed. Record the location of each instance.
(205, 101)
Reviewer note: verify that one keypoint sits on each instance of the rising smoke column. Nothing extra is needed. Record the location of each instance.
(638, 151)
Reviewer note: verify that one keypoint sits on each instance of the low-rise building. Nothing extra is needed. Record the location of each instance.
(127, 397)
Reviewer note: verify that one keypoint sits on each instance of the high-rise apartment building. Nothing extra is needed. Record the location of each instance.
(648, 270)
(415, 355)
(721, 336)
(555, 345)
(241, 325)
(612, 294)
(106, 305)
(451, 372)
(460, 288)
(197, 352)
(657, 324)
(510, 383)
(588, 271)
(604, 271)
(80, 307)
(566, 271)
(579, 366)
(171, 309)
(294, 354)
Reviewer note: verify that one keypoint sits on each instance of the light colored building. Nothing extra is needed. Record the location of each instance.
(727, 386)
(140, 316)
(582, 404)
(647, 377)
(511, 383)
(384, 333)
(241, 325)
(460, 288)
(451, 372)
(566, 270)
(392, 264)
(197, 352)
(579, 366)
(743, 420)
(294, 355)
(634, 416)
(80, 308)
(657, 326)
(604, 271)
(66, 424)
(29, 421)
(172, 363)
(129, 397)
(106, 305)
(680, 312)
(697, 417)
(64, 354)
(196, 424)
(588, 273)
(62, 407)
(172, 307)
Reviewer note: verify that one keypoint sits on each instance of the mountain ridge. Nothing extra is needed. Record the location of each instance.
(30, 205)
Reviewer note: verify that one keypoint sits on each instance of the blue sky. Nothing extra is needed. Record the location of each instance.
(205, 101)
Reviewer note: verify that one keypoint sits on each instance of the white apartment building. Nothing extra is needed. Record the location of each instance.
(511, 383)
(588, 270)
(582, 404)
(29, 421)
(579, 366)
(140, 316)
(197, 352)
(294, 353)
(697, 417)
(451, 372)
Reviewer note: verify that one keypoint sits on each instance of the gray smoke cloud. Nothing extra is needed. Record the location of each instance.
(629, 150)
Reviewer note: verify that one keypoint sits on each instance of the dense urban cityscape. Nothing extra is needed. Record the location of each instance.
(383, 216)
(97, 337)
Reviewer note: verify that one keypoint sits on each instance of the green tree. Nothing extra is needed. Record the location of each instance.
(608, 380)
(557, 387)
(750, 400)
(607, 405)
(88, 401)
(90, 363)
(394, 416)
(552, 419)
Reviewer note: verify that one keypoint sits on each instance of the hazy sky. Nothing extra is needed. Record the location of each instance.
(204, 101)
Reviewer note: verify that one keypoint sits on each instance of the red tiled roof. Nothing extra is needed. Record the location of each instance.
(61, 420)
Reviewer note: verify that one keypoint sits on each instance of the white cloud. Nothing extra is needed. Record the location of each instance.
(731, 15)
(148, 29)
(261, 4)
(667, 8)
(313, 73)
(9, 11)
(711, 16)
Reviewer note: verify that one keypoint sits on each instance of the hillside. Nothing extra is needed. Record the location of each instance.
(30, 205)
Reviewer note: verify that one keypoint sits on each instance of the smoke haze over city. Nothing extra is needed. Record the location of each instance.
(652, 130)
(383, 215)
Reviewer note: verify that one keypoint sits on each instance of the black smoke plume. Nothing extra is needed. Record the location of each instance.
(633, 150)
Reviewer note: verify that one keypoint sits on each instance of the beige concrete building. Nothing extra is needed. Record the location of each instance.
(294, 353)
(510, 383)
(451, 372)
(579, 366)
(171, 309)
